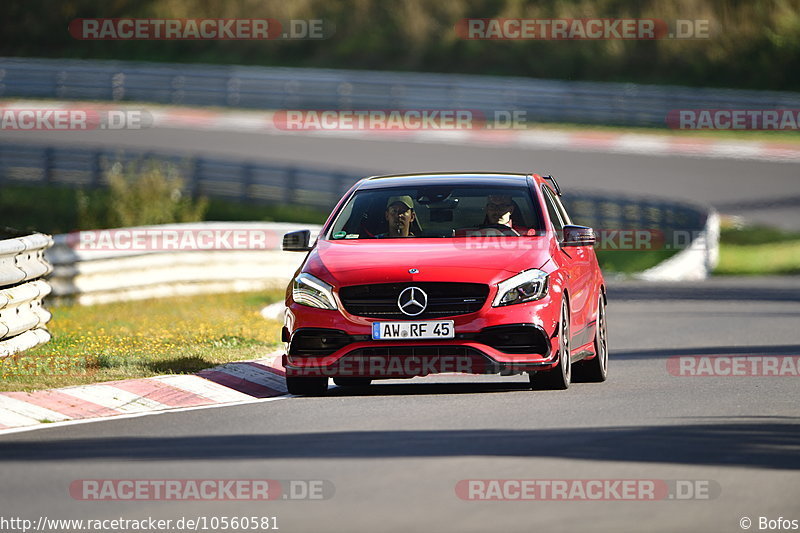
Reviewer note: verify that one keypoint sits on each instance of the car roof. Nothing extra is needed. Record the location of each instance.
(444, 178)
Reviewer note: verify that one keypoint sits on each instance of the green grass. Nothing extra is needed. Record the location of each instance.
(145, 338)
(631, 261)
(54, 209)
(758, 250)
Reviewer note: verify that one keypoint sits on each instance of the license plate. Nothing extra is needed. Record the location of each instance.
(429, 329)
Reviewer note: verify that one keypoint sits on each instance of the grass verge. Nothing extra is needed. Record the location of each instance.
(758, 251)
(631, 261)
(144, 338)
(54, 209)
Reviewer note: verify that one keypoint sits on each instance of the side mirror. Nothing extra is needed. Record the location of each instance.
(297, 241)
(578, 236)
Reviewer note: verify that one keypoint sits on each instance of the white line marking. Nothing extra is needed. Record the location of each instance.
(10, 418)
(254, 375)
(30, 410)
(136, 415)
(203, 387)
(114, 398)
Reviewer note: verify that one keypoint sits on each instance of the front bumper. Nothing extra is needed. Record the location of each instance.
(505, 340)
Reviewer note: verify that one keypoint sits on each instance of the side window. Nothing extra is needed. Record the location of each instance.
(564, 216)
(553, 211)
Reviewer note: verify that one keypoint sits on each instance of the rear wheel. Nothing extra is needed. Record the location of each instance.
(301, 386)
(352, 382)
(596, 369)
(559, 377)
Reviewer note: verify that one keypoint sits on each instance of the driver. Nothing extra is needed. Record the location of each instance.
(400, 215)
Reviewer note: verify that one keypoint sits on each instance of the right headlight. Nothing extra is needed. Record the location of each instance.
(313, 292)
(524, 287)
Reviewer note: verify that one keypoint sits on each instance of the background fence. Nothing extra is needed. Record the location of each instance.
(295, 88)
(23, 319)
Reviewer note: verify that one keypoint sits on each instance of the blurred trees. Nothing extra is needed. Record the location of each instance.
(753, 44)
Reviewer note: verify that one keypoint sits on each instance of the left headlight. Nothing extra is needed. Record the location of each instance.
(313, 292)
(524, 287)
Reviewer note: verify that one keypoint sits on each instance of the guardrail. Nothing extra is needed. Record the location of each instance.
(23, 319)
(234, 180)
(321, 189)
(296, 88)
(87, 275)
(289, 184)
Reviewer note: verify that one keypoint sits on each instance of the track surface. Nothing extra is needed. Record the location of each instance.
(396, 452)
(763, 191)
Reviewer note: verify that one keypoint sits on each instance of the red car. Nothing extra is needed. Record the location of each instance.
(417, 274)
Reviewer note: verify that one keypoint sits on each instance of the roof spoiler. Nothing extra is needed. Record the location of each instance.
(552, 180)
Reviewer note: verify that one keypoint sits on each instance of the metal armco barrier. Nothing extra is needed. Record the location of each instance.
(295, 88)
(23, 319)
(321, 189)
(234, 180)
(288, 185)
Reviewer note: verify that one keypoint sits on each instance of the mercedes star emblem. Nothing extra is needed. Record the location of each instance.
(412, 301)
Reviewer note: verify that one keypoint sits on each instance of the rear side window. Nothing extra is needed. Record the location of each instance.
(557, 216)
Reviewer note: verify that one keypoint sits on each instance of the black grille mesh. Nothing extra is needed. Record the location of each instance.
(444, 299)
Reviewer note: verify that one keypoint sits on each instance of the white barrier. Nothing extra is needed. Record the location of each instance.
(90, 276)
(695, 262)
(23, 319)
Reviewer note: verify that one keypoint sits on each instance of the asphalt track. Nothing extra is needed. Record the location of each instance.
(396, 452)
(763, 191)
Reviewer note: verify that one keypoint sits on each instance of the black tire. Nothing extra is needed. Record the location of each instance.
(559, 377)
(352, 382)
(595, 370)
(298, 386)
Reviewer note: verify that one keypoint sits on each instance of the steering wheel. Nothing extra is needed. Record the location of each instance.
(505, 230)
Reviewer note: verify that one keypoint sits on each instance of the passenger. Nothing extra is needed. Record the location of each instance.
(499, 209)
(400, 215)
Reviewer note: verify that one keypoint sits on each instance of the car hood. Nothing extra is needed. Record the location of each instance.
(389, 260)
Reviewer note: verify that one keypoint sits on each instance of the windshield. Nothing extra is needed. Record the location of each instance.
(439, 212)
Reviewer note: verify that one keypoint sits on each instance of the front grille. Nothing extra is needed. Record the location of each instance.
(415, 351)
(444, 299)
(404, 361)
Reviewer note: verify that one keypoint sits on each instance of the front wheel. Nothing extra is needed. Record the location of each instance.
(299, 386)
(559, 377)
